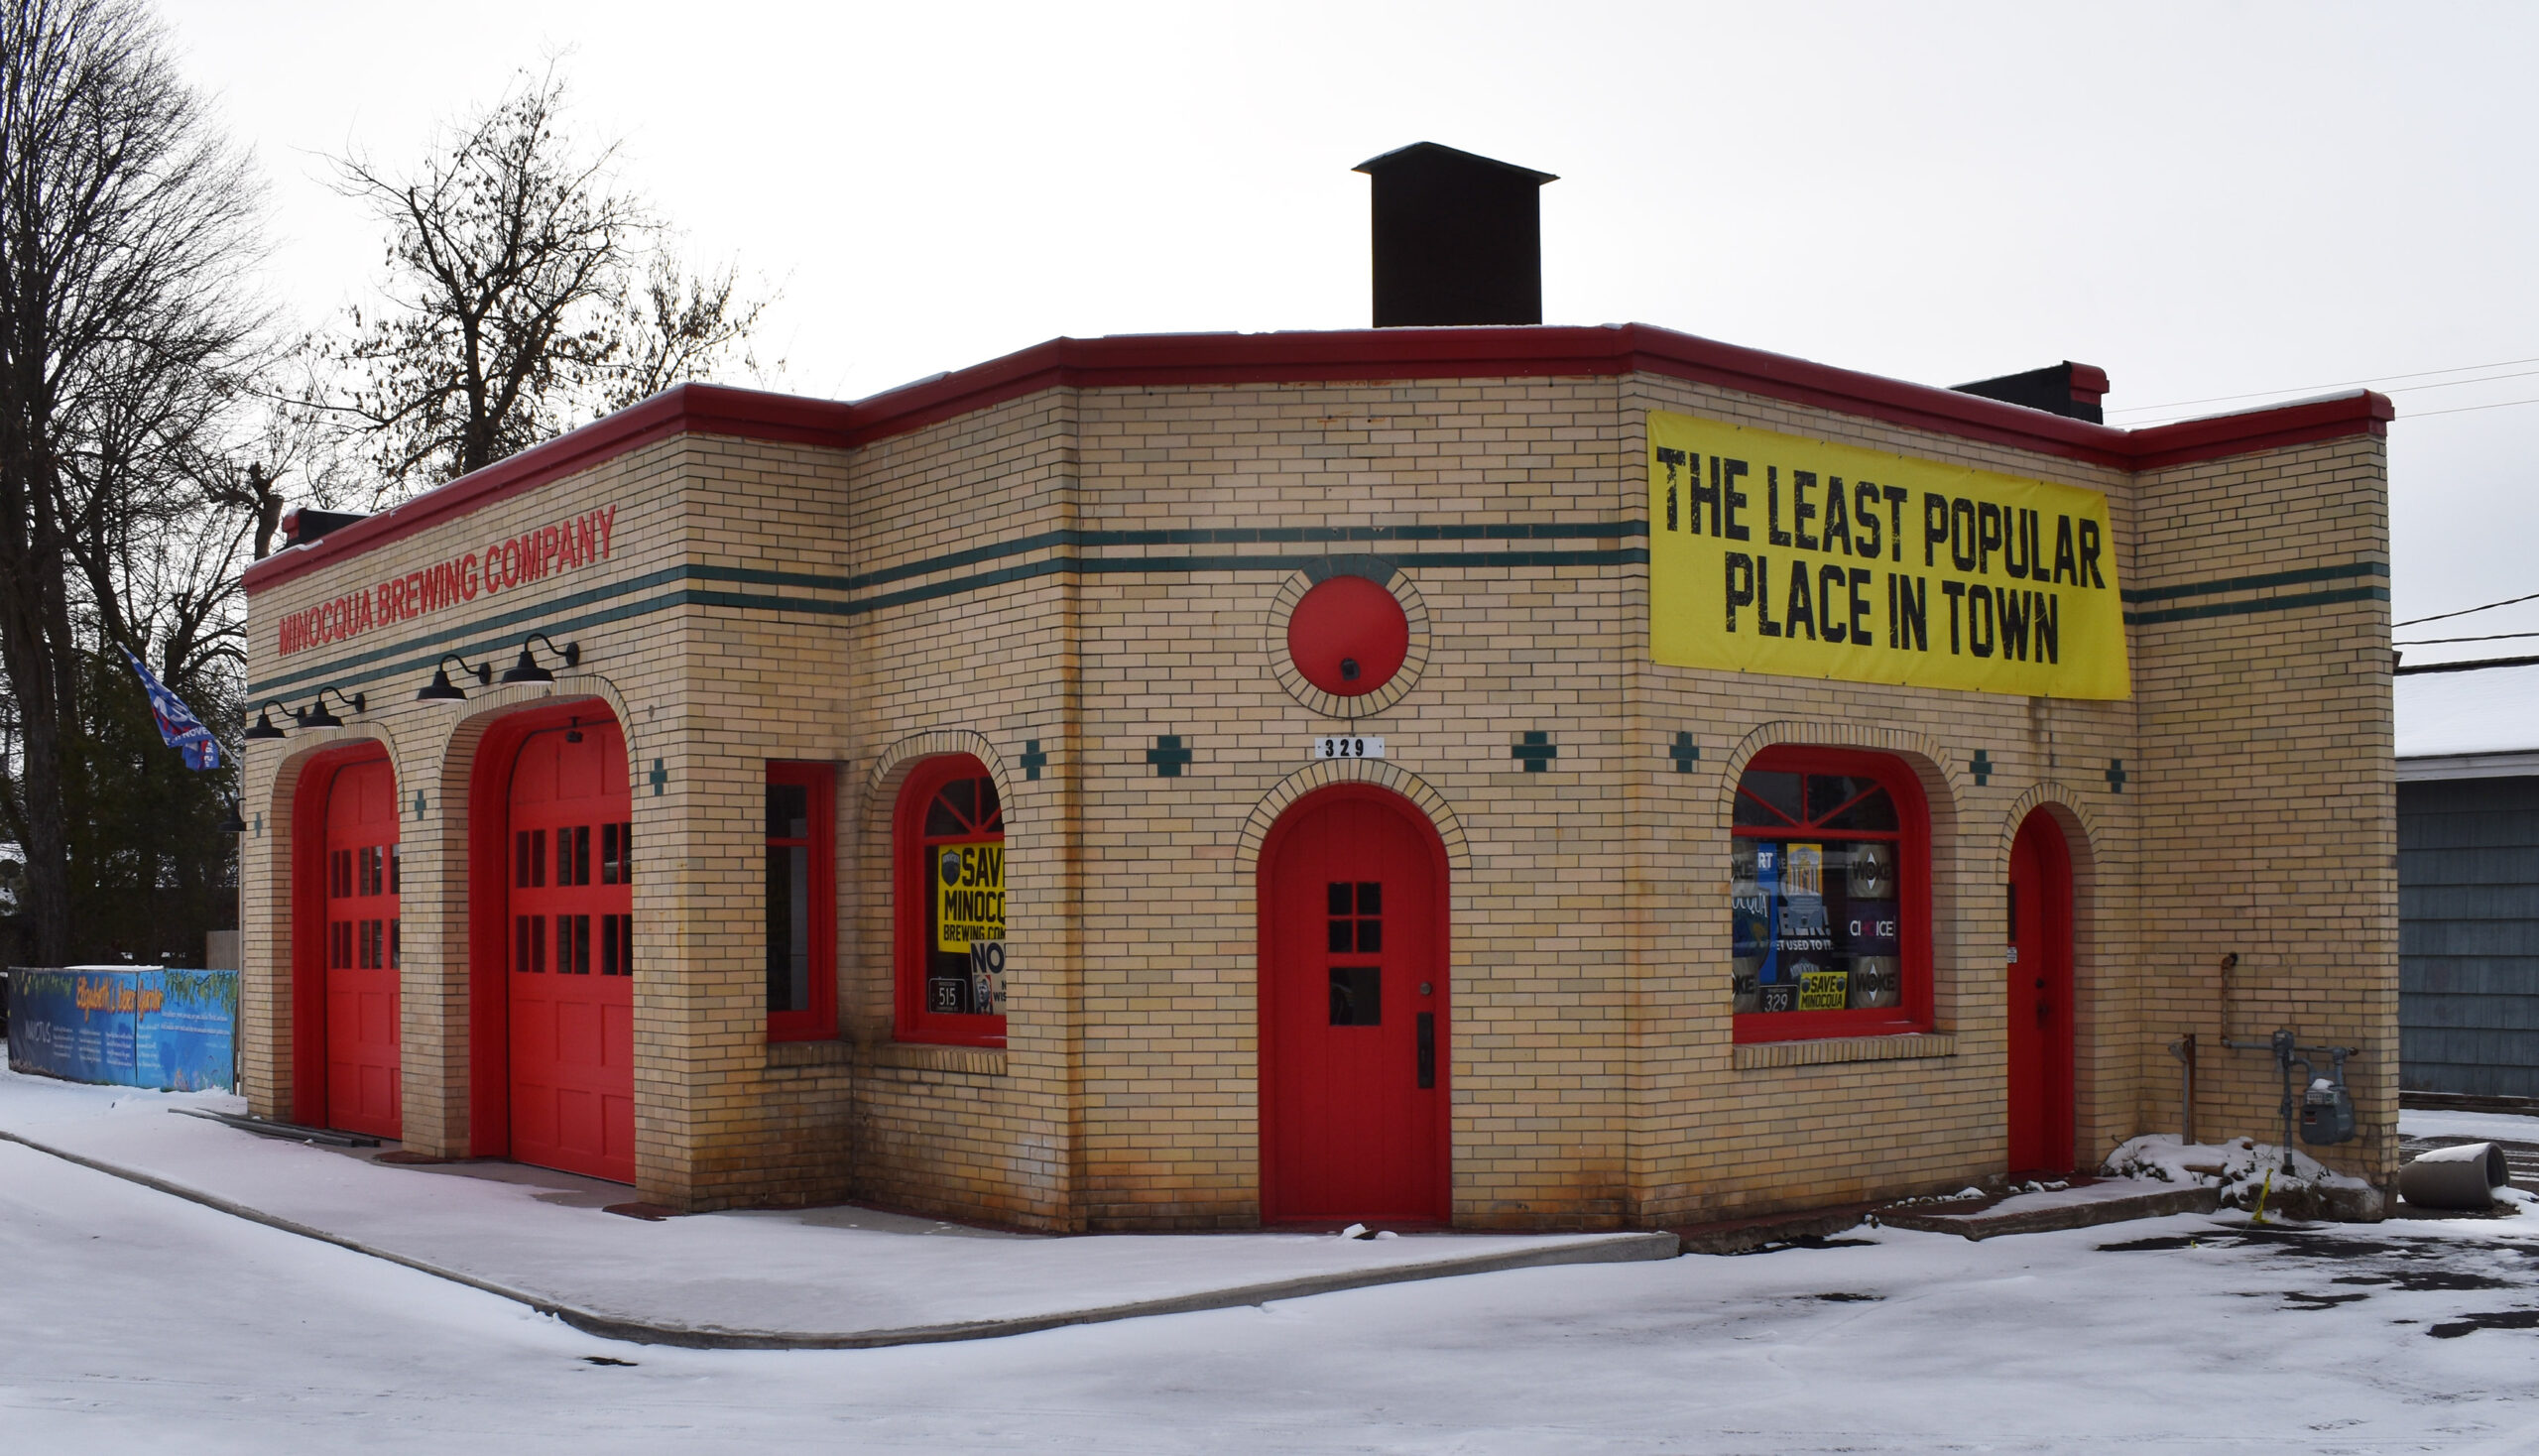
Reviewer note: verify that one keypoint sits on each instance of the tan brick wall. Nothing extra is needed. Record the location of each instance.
(2267, 787)
(1594, 1077)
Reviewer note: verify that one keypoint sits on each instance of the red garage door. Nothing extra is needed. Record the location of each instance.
(573, 975)
(362, 884)
(1353, 986)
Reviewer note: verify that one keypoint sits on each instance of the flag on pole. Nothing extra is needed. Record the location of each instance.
(177, 723)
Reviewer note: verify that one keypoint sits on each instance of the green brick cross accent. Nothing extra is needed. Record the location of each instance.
(1537, 751)
(1034, 761)
(1982, 766)
(1685, 752)
(660, 776)
(419, 804)
(1169, 755)
(2116, 775)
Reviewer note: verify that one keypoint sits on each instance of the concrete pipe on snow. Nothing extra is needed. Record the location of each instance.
(2464, 1176)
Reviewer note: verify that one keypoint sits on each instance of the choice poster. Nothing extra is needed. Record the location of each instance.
(1771, 552)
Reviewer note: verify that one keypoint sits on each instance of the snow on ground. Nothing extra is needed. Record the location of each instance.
(2499, 1127)
(131, 1321)
(2241, 1171)
(820, 1271)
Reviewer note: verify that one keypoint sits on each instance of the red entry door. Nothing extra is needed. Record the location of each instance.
(572, 973)
(363, 1094)
(1353, 981)
(2040, 997)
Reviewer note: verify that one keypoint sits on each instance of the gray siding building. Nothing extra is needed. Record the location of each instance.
(2468, 882)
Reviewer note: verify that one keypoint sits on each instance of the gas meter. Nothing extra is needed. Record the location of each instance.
(2327, 1109)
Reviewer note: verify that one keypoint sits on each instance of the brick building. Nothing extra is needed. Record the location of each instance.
(1206, 780)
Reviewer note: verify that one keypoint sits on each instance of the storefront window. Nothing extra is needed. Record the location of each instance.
(949, 847)
(1829, 897)
(801, 976)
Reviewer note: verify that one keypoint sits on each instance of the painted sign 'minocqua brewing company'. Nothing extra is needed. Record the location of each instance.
(1774, 554)
(501, 566)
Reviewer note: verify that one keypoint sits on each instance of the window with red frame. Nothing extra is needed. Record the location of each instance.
(949, 849)
(1829, 897)
(801, 900)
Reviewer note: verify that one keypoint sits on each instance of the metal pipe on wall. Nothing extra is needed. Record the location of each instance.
(2183, 1049)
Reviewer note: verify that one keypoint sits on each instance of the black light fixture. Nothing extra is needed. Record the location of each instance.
(264, 727)
(443, 690)
(318, 717)
(527, 669)
(234, 824)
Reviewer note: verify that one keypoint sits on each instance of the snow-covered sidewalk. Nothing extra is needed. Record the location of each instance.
(837, 1276)
(130, 1321)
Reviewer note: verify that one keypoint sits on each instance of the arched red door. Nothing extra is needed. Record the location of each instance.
(571, 982)
(2040, 997)
(362, 884)
(1353, 1012)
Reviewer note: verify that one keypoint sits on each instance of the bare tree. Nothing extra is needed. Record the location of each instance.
(126, 224)
(527, 292)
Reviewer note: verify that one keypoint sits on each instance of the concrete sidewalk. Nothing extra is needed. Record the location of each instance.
(812, 1279)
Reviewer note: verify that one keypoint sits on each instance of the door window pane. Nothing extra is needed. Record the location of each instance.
(788, 926)
(1357, 996)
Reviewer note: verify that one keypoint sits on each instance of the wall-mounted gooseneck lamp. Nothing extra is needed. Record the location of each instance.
(443, 690)
(263, 726)
(235, 823)
(318, 717)
(527, 669)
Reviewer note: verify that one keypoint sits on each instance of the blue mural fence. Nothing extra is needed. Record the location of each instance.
(126, 1026)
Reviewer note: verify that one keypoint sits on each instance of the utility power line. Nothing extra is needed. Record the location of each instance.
(2465, 611)
(2337, 384)
(2464, 409)
(2437, 641)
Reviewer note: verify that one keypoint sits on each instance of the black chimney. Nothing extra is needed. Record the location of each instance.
(1459, 238)
(302, 526)
(2067, 389)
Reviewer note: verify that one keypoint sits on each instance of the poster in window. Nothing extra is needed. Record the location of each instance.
(1816, 926)
(969, 895)
(1754, 888)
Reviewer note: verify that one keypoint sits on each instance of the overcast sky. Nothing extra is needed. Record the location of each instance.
(2204, 201)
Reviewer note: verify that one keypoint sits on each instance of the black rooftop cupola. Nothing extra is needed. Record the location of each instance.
(1458, 238)
(2074, 391)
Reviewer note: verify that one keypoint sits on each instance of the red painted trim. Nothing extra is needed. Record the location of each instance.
(1266, 924)
(687, 409)
(911, 885)
(489, 953)
(1160, 361)
(818, 1020)
(309, 925)
(2191, 441)
(1913, 898)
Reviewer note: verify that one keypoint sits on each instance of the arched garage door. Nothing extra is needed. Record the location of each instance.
(570, 942)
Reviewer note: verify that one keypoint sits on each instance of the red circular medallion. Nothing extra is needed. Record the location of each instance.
(1348, 636)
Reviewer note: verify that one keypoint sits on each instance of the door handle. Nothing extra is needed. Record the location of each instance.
(1427, 1033)
(2042, 1012)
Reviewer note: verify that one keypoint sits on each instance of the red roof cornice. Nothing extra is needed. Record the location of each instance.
(1339, 356)
(687, 409)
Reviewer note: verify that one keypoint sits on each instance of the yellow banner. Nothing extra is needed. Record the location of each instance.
(969, 894)
(1773, 554)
